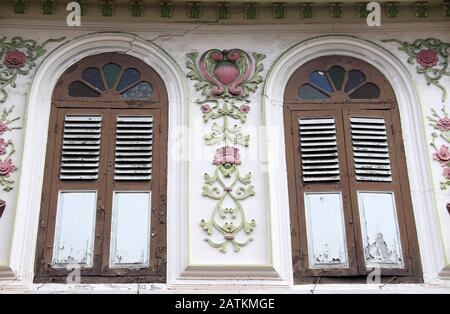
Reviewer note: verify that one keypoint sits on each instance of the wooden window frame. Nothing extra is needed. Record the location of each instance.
(109, 105)
(341, 108)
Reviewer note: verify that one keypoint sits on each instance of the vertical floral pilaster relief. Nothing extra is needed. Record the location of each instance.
(17, 58)
(225, 80)
(440, 121)
(430, 56)
(7, 149)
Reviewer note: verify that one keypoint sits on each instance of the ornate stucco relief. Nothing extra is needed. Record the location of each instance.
(226, 79)
(430, 56)
(17, 58)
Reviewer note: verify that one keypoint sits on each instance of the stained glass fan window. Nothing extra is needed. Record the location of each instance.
(323, 84)
(125, 82)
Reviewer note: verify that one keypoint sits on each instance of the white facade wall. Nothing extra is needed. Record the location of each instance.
(263, 252)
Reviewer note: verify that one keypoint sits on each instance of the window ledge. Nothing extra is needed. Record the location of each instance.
(440, 287)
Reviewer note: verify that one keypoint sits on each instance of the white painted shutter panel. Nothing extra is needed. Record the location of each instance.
(370, 149)
(134, 144)
(81, 147)
(319, 151)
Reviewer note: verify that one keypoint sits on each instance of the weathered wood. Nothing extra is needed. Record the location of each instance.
(368, 142)
(105, 109)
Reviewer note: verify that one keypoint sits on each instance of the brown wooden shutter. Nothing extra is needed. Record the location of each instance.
(101, 150)
(319, 149)
(370, 149)
(134, 145)
(372, 181)
(81, 147)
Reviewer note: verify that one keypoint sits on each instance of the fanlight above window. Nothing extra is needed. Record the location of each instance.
(125, 82)
(322, 85)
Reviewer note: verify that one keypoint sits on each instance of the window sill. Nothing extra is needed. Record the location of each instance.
(440, 287)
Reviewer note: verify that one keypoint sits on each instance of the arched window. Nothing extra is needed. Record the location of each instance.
(351, 209)
(103, 201)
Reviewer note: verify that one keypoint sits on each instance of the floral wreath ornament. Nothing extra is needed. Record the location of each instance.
(431, 57)
(226, 79)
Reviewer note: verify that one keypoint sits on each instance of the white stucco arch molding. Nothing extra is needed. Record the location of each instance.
(36, 128)
(414, 140)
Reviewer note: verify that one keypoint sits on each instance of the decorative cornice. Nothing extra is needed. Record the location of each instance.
(250, 10)
(419, 26)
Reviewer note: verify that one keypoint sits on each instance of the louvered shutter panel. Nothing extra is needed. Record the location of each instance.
(319, 152)
(81, 147)
(134, 144)
(370, 149)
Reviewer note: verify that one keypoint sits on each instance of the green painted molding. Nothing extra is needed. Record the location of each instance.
(20, 6)
(248, 10)
(279, 10)
(307, 9)
(165, 9)
(136, 8)
(251, 11)
(194, 10)
(393, 9)
(48, 7)
(336, 10)
(422, 9)
(107, 7)
(361, 7)
(223, 11)
(446, 5)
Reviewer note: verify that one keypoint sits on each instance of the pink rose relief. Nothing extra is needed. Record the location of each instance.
(217, 56)
(244, 108)
(442, 155)
(3, 128)
(234, 56)
(205, 108)
(15, 59)
(6, 167)
(227, 155)
(427, 58)
(3, 146)
(443, 124)
(446, 173)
